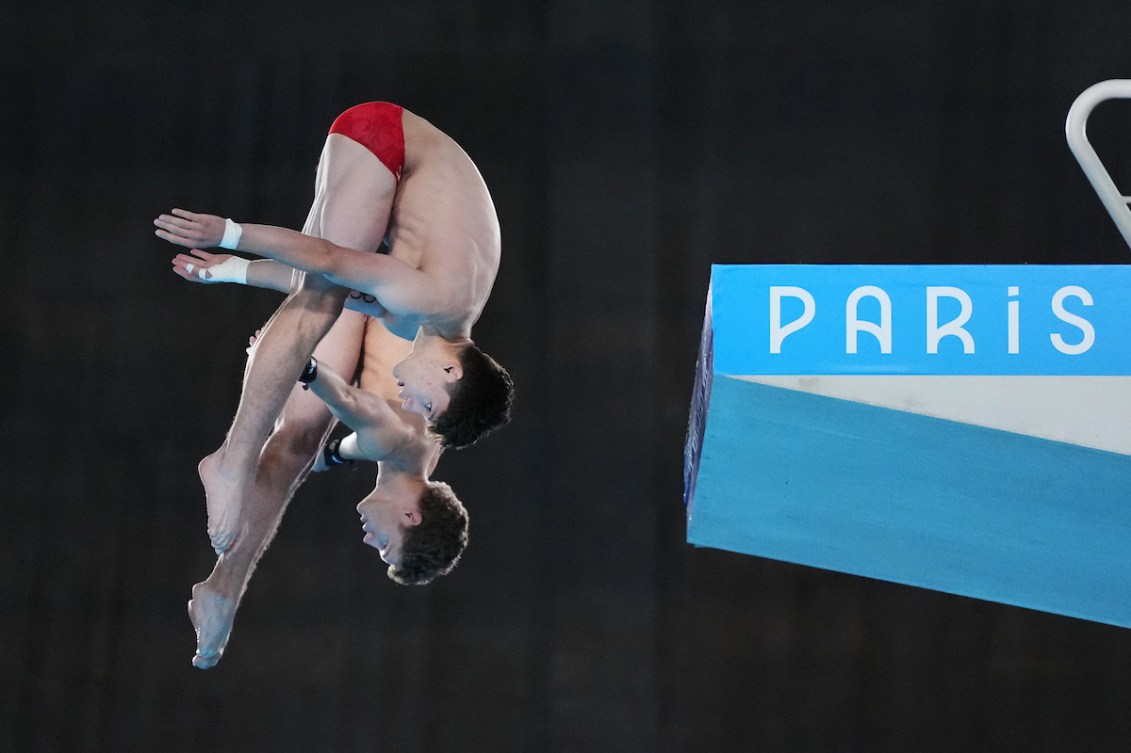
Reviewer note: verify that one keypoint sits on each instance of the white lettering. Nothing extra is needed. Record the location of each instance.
(935, 333)
(853, 325)
(1014, 320)
(1089, 332)
(778, 333)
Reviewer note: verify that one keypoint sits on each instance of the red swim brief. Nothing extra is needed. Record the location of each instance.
(376, 126)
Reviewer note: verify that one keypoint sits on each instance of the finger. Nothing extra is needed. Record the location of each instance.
(170, 222)
(182, 233)
(201, 254)
(166, 235)
(184, 269)
(198, 262)
(191, 265)
(174, 239)
(199, 271)
(185, 213)
(184, 275)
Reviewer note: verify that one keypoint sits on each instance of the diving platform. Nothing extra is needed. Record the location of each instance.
(965, 429)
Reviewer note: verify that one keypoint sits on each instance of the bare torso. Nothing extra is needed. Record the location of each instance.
(443, 222)
(380, 352)
(403, 445)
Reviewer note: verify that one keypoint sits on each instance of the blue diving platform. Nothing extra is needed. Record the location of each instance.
(965, 429)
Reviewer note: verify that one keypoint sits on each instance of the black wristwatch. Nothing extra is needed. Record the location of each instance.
(309, 374)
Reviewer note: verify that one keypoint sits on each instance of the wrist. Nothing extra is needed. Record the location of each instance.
(232, 233)
(332, 454)
(310, 373)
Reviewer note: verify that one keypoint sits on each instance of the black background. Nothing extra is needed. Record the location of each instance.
(628, 145)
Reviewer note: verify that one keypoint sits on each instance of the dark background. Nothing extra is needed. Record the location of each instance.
(628, 145)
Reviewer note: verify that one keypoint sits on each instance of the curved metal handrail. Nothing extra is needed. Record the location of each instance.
(1075, 128)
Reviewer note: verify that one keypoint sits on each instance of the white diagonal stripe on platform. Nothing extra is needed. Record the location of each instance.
(1088, 411)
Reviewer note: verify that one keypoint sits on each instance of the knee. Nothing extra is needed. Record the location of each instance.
(316, 297)
(294, 442)
(313, 308)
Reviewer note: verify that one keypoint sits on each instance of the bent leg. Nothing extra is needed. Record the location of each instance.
(283, 465)
(354, 198)
(279, 355)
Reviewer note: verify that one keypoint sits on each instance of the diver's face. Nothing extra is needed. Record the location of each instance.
(424, 382)
(384, 519)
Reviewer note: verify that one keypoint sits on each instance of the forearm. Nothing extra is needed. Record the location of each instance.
(274, 275)
(331, 389)
(382, 279)
(270, 274)
(354, 407)
(394, 283)
(292, 248)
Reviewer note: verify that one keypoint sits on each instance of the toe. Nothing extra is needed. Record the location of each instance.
(205, 660)
(220, 542)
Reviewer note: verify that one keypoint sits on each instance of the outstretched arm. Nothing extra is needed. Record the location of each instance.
(209, 269)
(368, 415)
(396, 285)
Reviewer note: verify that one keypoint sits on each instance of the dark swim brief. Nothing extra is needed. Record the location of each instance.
(376, 126)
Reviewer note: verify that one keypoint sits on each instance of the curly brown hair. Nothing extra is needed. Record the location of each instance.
(480, 401)
(434, 547)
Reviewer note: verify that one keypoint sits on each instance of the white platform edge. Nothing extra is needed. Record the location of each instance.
(1088, 411)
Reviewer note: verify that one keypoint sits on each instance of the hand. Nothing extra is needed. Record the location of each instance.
(189, 229)
(195, 268)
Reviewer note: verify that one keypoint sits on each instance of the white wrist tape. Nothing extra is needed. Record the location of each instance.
(233, 269)
(348, 449)
(232, 233)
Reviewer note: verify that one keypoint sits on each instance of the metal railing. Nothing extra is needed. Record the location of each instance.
(1075, 128)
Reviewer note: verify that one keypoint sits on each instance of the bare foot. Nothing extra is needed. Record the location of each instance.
(222, 493)
(212, 616)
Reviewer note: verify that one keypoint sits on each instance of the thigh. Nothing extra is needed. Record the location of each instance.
(354, 195)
